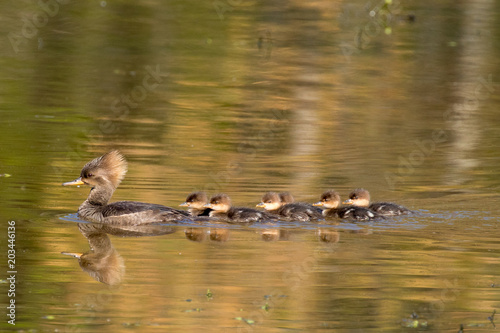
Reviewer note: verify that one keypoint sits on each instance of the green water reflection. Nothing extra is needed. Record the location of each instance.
(246, 97)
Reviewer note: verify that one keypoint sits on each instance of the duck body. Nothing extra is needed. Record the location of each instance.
(222, 209)
(330, 200)
(352, 213)
(361, 198)
(282, 205)
(300, 211)
(389, 209)
(244, 214)
(104, 174)
(130, 213)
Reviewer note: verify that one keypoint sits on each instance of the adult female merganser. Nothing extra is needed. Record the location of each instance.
(104, 174)
(222, 209)
(361, 198)
(331, 201)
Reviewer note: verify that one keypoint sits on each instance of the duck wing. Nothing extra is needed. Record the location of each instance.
(134, 213)
(357, 213)
(244, 214)
(389, 209)
(300, 211)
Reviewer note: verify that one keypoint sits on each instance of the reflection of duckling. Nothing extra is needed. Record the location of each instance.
(221, 206)
(328, 235)
(269, 235)
(219, 234)
(298, 211)
(195, 201)
(331, 201)
(102, 262)
(361, 198)
(104, 174)
(200, 234)
(195, 234)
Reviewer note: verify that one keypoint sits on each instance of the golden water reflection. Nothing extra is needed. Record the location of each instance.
(317, 277)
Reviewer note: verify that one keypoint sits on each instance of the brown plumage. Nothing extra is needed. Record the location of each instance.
(196, 202)
(222, 209)
(330, 200)
(282, 204)
(104, 174)
(361, 197)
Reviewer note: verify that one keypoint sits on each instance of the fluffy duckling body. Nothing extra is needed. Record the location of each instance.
(282, 204)
(196, 202)
(104, 174)
(361, 198)
(330, 200)
(222, 209)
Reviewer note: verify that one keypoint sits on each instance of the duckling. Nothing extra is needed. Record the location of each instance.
(298, 211)
(286, 198)
(196, 202)
(222, 209)
(104, 174)
(361, 198)
(331, 201)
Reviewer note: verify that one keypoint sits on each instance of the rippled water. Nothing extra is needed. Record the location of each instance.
(245, 97)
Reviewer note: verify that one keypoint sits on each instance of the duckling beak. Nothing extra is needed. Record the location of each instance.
(319, 203)
(184, 204)
(261, 205)
(348, 202)
(76, 255)
(77, 181)
(208, 205)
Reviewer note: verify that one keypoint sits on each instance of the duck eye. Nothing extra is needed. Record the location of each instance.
(89, 175)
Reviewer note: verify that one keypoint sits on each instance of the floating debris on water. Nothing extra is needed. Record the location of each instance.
(246, 320)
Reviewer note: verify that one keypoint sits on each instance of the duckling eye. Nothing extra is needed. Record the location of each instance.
(89, 175)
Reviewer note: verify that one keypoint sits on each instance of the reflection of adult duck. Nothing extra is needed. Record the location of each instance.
(330, 200)
(222, 209)
(103, 262)
(361, 198)
(283, 205)
(104, 174)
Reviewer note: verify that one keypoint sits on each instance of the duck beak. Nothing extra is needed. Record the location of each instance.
(208, 205)
(348, 202)
(184, 204)
(77, 181)
(76, 255)
(261, 205)
(319, 203)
